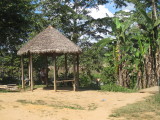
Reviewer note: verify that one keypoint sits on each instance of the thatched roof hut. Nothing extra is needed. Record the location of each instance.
(49, 40)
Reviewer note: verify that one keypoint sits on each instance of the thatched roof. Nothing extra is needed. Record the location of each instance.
(49, 40)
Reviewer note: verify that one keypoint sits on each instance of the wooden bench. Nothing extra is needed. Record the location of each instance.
(63, 81)
(3, 86)
(12, 87)
(9, 87)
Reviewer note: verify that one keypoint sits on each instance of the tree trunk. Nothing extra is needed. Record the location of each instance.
(154, 46)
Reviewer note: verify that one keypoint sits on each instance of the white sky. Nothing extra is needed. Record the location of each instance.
(128, 8)
(102, 11)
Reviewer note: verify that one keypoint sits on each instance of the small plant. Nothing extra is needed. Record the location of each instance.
(114, 115)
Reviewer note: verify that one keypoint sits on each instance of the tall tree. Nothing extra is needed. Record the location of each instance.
(149, 25)
(16, 22)
(71, 17)
(17, 18)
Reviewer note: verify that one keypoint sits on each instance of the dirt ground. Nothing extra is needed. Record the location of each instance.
(64, 104)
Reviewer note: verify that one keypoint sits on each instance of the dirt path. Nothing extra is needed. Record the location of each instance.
(63, 105)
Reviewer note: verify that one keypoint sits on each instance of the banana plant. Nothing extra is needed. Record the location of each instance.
(150, 29)
(119, 29)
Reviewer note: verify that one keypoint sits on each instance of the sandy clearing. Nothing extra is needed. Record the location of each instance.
(63, 105)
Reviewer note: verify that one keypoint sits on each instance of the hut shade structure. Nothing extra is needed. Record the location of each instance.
(49, 42)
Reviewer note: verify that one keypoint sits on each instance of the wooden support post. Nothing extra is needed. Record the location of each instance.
(29, 71)
(55, 75)
(22, 71)
(46, 62)
(66, 69)
(74, 74)
(31, 67)
(77, 78)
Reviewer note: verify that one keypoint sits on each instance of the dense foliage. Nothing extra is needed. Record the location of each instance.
(17, 21)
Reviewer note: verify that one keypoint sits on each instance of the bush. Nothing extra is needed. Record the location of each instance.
(108, 75)
(9, 80)
(116, 88)
(84, 80)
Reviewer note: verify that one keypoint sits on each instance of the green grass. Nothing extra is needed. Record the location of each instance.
(147, 109)
(116, 88)
(59, 105)
(72, 106)
(8, 91)
(39, 86)
(28, 87)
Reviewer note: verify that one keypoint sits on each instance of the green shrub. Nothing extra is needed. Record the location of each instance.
(108, 75)
(84, 80)
(116, 88)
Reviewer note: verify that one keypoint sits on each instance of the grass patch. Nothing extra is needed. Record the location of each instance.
(92, 106)
(116, 88)
(59, 105)
(28, 87)
(1, 107)
(24, 101)
(39, 86)
(148, 109)
(37, 102)
(6, 91)
(73, 106)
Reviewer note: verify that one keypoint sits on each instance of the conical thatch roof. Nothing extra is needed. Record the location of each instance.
(49, 40)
